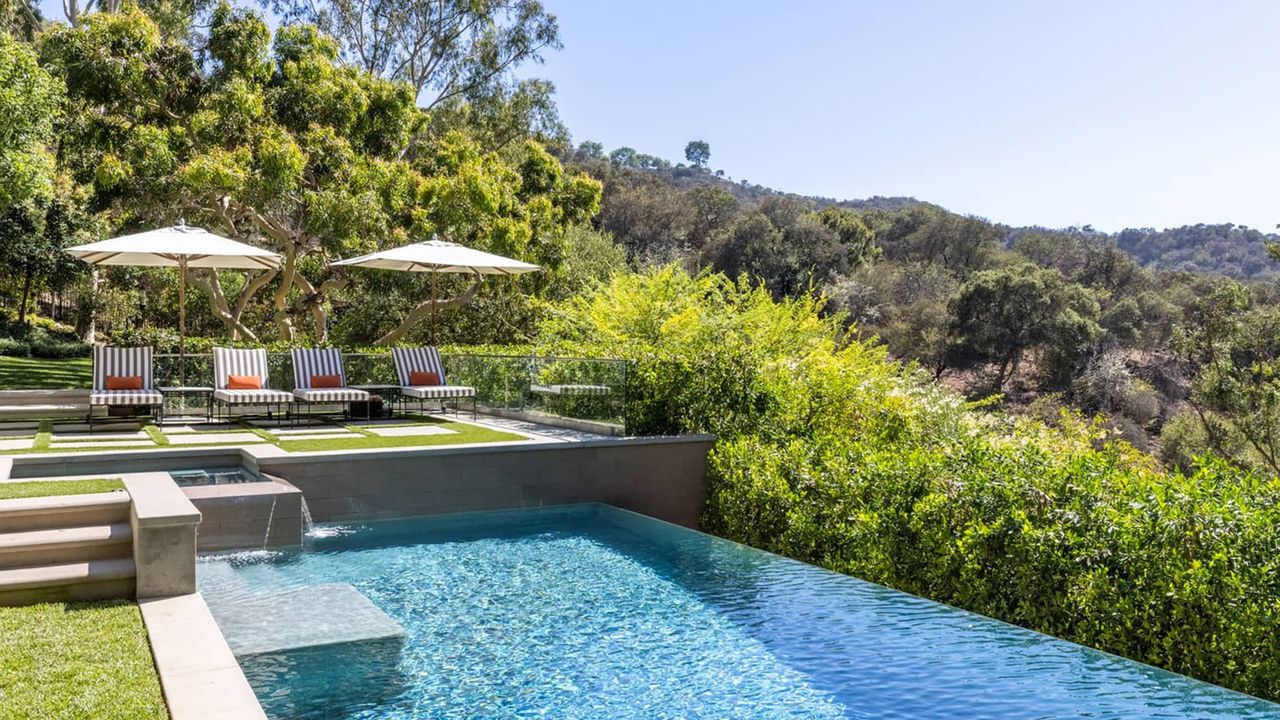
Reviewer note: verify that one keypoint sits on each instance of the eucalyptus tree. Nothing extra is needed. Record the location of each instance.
(29, 101)
(279, 143)
(444, 49)
(20, 18)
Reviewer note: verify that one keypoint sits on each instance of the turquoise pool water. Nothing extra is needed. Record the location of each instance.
(592, 612)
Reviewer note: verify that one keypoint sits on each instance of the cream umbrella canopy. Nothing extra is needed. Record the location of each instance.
(439, 256)
(183, 247)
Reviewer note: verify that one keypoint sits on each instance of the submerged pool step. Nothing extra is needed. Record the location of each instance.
(43, 513)
(89, 580)
(65, 545)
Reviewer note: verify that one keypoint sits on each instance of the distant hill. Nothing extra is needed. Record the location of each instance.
(1232, 250)
(1235, 251)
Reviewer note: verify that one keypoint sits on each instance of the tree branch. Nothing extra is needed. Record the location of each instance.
(423, 309)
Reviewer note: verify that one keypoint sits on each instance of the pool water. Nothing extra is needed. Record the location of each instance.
(214, 476)
(592, 612)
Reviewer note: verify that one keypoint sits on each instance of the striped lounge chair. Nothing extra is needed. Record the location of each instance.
(415, 368)
(236, 372)
(319, 378)
(122, 377)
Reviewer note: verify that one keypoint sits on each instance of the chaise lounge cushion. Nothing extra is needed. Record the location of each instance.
(258, 396)
(340, 394)
(126, 397)
(438, 391)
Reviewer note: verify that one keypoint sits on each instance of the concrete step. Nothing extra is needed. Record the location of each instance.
(63, 511)
(56, 410)
(44, 397)
(65, 545)
(89, 580)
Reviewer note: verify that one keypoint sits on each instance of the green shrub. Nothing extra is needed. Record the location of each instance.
(831, 453)
(58, 350)
(14, 348)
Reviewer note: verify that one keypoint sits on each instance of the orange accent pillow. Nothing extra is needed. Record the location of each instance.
(124, 382)
(423, 378)
(244, 382)
(326, 381)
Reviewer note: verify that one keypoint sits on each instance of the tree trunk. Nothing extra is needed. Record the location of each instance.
(212, 287)
(282, 318)
(89, 330)
(423, 309)
(26, 293)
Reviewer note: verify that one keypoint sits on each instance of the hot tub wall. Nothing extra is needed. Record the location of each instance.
(664, 478)
(247, 515)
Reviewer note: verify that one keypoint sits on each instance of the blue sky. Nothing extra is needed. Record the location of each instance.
(1117, 114)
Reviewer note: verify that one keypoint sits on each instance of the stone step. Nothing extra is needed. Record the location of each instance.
(43, 410)
(89, 580)
(65, 545)
(79, 396)
(63, 511)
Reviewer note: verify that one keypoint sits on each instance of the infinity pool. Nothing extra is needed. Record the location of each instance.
(593, 612)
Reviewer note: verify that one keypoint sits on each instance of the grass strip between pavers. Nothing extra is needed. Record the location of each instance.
(43, 436)
(74, 660)
(156, 434)
(50, 488)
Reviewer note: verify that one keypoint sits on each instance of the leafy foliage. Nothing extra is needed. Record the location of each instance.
(29, 99)
(834, 454)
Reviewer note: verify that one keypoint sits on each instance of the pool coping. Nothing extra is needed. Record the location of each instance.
(199, 675)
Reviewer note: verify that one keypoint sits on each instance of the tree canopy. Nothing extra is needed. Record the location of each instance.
(276, 142)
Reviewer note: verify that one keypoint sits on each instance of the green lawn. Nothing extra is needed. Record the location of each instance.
(65, 661)
(463, 434)
(39, 374)
(48, 488)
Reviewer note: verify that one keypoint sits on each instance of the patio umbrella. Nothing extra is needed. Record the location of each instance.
(181, 246)
(439, 256)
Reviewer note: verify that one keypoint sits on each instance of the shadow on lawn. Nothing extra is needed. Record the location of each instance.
(39, 374)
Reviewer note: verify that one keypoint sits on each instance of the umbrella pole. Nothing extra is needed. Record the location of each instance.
(182, 319)
(434, 276)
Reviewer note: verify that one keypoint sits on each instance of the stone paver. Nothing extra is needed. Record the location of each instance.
(14, 434)
(181, 429)
(408, 430)
(84, 427)
(104, 444)
(22, 444)
(102, 435)
(323, 430)
(221, 438)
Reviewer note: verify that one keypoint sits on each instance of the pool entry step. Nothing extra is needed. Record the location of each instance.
(72, 547)
(331, 629)
(299, 618)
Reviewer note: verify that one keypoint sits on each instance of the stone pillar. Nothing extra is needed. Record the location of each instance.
(164, 535)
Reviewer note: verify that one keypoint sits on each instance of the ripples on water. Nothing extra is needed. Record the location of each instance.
(592, 612)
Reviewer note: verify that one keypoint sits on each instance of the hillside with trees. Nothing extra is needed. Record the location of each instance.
(1039, 320)
(1067, 429)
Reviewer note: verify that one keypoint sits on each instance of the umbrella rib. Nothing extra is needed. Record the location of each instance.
(105, 257)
